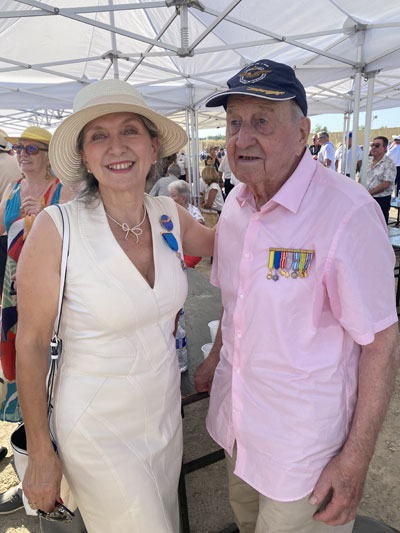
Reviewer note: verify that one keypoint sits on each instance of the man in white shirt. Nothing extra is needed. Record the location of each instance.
(327, 153)
(394, 153)
(229, 179)
(339, 158)
(181, 160)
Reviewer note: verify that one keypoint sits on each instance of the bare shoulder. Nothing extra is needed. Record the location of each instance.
(43, 245)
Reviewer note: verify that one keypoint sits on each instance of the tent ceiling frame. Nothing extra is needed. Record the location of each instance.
(72, 14)
(222, 16)
(87, 9)
(24, 66)
(151, 46)
(100, 25)
(283, 39)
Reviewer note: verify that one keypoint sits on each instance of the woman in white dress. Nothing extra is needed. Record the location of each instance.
(117, 399)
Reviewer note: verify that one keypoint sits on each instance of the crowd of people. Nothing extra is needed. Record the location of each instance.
(303, 364)
(383, 172)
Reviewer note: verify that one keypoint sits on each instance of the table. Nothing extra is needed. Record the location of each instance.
(395, 203)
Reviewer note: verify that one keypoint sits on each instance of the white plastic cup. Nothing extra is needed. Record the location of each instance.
(206, 349)
(213, 329)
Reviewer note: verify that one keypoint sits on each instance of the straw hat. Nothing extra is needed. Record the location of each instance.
(96, 100)
(4, 146)
(33, 133)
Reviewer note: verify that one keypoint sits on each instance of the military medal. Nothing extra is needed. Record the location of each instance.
(277, 263)
(170, 239)
(295, 264)
(288, 263)
(282, 264)
(270, 262)
(307, 262)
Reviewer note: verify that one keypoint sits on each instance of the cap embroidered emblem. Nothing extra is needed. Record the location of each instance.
(253, 74)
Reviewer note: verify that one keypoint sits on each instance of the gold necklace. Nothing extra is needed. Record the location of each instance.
(136, 230)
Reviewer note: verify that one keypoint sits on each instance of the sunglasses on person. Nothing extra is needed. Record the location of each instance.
(61, 514)
(376, 145)
(30, 149)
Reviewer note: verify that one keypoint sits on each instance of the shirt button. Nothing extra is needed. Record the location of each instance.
(257, 216)
(238, 371)
(241, 295)
(238, 334)
(246, 255)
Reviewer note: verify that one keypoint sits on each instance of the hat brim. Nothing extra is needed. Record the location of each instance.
(36, 138)
(221, 99)
(64, 156)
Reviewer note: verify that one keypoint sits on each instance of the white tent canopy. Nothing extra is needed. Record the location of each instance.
(178, 52)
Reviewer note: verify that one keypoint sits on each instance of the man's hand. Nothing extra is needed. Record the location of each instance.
(343, 478)
(203, 377)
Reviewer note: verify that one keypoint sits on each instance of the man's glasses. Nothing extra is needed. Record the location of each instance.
(30, 149)
(61, 514)
(376, 145)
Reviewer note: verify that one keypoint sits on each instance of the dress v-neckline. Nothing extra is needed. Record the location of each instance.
(122, 251)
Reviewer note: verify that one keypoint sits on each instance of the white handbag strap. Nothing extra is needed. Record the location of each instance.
(63, 271)
(55, 343)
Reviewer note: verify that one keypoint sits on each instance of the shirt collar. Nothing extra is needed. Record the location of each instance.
(292, 192)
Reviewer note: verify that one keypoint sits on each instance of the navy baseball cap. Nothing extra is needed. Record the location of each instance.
(264, 79)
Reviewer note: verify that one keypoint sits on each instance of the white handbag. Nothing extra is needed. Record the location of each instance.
(18, 437)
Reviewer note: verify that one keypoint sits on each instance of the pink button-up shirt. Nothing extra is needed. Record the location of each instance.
(286, 385)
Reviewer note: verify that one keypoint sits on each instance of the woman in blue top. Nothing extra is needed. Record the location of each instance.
(37, 188)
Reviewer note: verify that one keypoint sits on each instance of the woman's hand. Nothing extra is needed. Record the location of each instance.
(42, 480)
(31, 206)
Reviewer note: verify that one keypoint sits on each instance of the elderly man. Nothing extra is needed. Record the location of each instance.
(381, 174)
(160, 188)
(326, 155)
(303, 365)
(394, 153)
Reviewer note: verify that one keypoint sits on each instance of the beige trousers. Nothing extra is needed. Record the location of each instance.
(255, 513)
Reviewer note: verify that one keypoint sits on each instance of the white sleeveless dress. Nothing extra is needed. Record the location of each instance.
(117, 402)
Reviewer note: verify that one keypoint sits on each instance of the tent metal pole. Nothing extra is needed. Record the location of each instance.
(356, 106)
(194, 154)
(356, 117)
(344, 145)
(367, 130)
(188, 154)
(196, 166)
(114, 43)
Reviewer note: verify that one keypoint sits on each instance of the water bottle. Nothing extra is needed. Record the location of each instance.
(180, 344)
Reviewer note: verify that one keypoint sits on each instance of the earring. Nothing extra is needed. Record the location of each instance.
(88, 170)
(48, 173)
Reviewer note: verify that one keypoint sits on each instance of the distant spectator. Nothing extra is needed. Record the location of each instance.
(381, 174)
(225, 169)
(339, 157)
(160, 188)
(315, 147)
(326, 155)
(212, 202)
(182, 161)
(179, 191)
(165, 163)
(394, 153)
(212, 159)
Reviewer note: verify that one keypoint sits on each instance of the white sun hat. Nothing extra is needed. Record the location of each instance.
(93, 101)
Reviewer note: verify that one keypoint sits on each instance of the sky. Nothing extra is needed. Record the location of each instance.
(385, 117)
